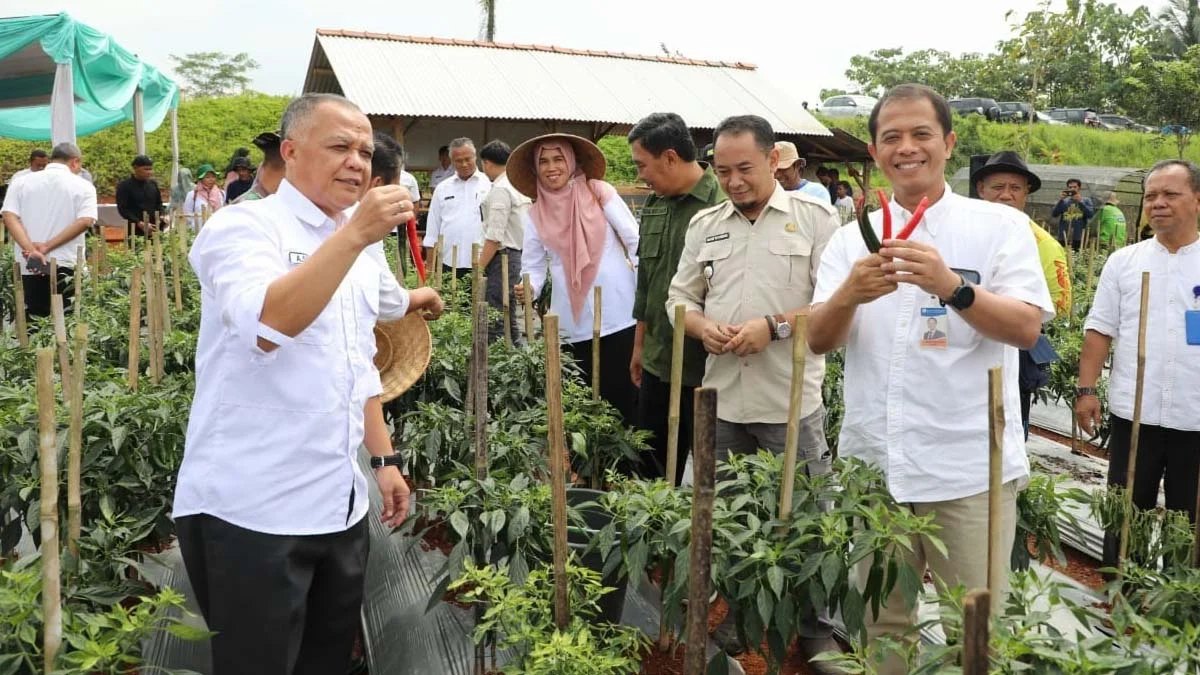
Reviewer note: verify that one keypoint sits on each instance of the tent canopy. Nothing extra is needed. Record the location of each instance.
(104, 76)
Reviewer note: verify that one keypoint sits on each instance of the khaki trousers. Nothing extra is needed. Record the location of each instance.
(964, 531)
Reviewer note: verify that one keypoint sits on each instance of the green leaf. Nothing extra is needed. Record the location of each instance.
(775, 579)
(519, 524)
(106, 507)
(188, 632)
(460, 523)
(831, 569)
(854, 611)
(495, 521)
(766, 606)
(718, 664)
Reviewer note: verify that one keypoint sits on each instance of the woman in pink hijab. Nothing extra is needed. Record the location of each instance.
(583, 233)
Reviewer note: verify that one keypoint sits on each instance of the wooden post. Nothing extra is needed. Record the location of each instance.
(791, 449)
(75, 449)
(135, 329)
(1091, 268)
(19, 301)
(558, 472)
(441, 264)
(176, 269)
(48, 458)
(527, 299)
(160, 278)
(477, 278)
(676, 394)
(53, 276)
(479, 372)
(153, 314)
(77, 278)
(454, 270)
(704, 447)
(997, 552)
(597, 310)
(506, 308)
(976, 617)
(1136, 432)
(60, 339)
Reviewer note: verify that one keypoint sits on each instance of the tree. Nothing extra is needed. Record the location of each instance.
(830, 93)
(487, 25)
(1179, 25)
(211, 74)
(1167, 91)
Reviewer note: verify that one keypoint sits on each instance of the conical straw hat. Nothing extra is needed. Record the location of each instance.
(403, 349)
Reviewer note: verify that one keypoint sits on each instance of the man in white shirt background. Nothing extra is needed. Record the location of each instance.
(456, 210)
(48, 213)
(503, 232)
(270, 503)
(444, 169)
(1169, 440)
(38, 159)
(918, 409)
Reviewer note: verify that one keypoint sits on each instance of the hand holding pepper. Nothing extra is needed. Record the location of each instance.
(867, 280)
(918, 263)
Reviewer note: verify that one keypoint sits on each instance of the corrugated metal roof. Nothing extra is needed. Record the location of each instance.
(464, 79)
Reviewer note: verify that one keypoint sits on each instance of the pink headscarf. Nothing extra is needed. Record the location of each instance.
(571, 222)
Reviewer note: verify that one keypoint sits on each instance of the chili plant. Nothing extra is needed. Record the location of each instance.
(1039, 508)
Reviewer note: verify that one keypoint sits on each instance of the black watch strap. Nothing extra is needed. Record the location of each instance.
(390, 460)
(772, 327)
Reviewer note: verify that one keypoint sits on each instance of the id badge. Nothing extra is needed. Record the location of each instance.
(1191, 321)
(935, 328)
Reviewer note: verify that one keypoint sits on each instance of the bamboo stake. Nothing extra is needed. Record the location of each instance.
(135, 329)
(976, 617)
(176, 269)
(48, 458)
(441, 264)
(1091, 268)
(795, 402)
(479, 388)
(454, 270)
(60, 340)
(506, 308)
(75, 449)
(19, 301)
(477, 278)
(597, 309)
(53, 276)
(704, 447)
(160, 277)
(676, 394)
(1136, 432)
(997, 553)
(527, 299)
(558, 473)
(153, 314)
(80, 269)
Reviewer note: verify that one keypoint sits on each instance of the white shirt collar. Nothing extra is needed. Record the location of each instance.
(303, 207)
(934, 215)
(1183, 250)
(474, 176)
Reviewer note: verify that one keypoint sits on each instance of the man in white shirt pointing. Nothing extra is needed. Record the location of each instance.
(270, 501)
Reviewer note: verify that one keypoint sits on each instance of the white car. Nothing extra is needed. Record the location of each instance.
(1043, 117)
(850, 105)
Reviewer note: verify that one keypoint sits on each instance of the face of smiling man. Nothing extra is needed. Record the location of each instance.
(911, 148)
(329, 156)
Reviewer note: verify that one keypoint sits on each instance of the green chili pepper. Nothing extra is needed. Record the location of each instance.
(868, 232)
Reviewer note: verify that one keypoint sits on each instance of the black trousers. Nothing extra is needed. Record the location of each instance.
(280, 605)
(37, 291)
(494, 293)
(1169, 456)
(653, 409)
(616, 351)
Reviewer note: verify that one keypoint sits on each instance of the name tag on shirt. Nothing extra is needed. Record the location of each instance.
(1191, 322)
(295, 257)
(447, 198)
(716, 237)
(935, 331)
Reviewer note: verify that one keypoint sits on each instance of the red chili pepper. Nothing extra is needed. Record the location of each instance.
(916, 218)
(414, 246)
(887, 214)
(908, 227)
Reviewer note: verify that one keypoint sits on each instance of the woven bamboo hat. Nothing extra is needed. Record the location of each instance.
(403, 349)
(522, 165)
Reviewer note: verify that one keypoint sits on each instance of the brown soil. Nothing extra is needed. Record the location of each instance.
(655, 662)
(755, 664)
(1080, 447)
(1080, 567)
(437, 538)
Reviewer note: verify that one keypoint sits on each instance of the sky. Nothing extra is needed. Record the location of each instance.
(793, 45)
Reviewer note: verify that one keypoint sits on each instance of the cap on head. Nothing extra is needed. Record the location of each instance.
(142, 160)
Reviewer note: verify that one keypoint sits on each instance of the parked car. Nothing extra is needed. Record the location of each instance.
(976, 106)
(1085, 116)
(1043, 117)
(1016, 111)
(1122, 122)
(1172, 129)
(850, 105)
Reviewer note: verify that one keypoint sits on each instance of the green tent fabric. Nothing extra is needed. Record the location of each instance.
(105, 78)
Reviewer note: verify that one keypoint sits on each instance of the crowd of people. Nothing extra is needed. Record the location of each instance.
(735, 234)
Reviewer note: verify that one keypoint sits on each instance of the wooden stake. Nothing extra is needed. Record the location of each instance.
(477, 278)
(153, 314)
(506, 308)
(160, 278)
(1091, 268)
(75, 449)
(479, 388)
(53, 276)
(795, 403)
(19, 301)
(676, 394)
(527, 299)
(454, 270)
(976, 618)
(60, 339)
(557, 447)
(1136, 432)
(135, 329)
(441, 265)
(176, 268)
(997, 552)
(704, 447)
(48, 459)
(597, 309)
(80, 269)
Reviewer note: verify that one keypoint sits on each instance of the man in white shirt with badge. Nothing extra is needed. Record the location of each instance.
(1169, 439)
(456, 211)
(918, 409)
(270, 503)
(47, 213)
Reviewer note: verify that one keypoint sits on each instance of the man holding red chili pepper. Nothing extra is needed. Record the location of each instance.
(918, 408)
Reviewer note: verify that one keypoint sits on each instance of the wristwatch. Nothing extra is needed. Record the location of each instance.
(962, 297)
(782, 328)
(1085, 391)
(390, 460)
(771, 327)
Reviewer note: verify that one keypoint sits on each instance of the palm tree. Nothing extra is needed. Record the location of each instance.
(1179, 25)
(487, 25)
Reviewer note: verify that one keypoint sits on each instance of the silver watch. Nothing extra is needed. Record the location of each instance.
(783, 330)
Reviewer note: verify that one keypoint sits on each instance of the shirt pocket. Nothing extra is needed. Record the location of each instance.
(792, 255)
(652, 230)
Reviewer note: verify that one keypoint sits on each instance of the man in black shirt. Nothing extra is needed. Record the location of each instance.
(138, 198)
(244, 180)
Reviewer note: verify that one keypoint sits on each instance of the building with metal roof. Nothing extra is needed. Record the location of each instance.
(427, 91)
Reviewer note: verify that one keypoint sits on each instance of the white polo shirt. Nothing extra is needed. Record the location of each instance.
(1171, 396)
(47, 202)
(456, 212)
(273, 438)
(920, 413)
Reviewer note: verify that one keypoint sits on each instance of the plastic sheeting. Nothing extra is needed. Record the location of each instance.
(104, 77)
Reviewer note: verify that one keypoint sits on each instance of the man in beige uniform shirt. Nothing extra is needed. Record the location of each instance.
(748, 266)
